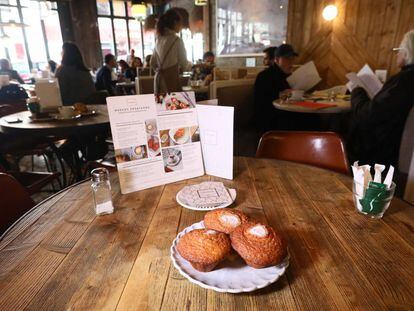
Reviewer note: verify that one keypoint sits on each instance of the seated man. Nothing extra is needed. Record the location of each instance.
(204, 71)
(378, 124)
(269, 83)
(269, 57)
(5, 69)
(105, 77)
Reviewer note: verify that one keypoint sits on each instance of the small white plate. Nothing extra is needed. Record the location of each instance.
(232, 192)
(229, 276)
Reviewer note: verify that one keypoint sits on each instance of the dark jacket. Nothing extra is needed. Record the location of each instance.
(269, 83)
(76, 85)
(104, 80)
(13, 75)
(378, 124)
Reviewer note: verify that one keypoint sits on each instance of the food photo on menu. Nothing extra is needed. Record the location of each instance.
(174, 101)
(179, 136)
(173, 159)
(153, 140)
(131, 153)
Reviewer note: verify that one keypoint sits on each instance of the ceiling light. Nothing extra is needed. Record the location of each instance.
(201, 2)
(139, 10)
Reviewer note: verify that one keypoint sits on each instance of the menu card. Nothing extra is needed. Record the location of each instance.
(156, 139)
(366, 79)
(216, 132)
(305, 77)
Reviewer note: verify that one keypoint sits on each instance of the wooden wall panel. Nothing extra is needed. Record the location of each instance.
(365, 31)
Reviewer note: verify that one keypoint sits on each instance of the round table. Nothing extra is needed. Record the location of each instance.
(87, 124)
(341, 107)
(61, 256)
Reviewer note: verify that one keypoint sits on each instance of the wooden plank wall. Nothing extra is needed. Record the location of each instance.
(365, 31)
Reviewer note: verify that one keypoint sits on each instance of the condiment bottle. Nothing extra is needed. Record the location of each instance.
(101, 189)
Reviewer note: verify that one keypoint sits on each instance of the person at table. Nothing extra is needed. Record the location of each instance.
(75, 81)
(269, 83)
(269, 56)
(147, 61)
(105, 77)
(6, 69)
(377, 124)
(169, 55)
(126, 71)
(204, 71)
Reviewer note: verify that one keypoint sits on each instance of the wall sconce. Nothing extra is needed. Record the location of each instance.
(139, 10)
(330, 12)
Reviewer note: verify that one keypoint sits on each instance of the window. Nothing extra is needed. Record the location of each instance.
(119, 32)
(242, 30)
(30, 33)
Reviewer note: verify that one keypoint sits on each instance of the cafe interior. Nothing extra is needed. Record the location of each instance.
(206, 154)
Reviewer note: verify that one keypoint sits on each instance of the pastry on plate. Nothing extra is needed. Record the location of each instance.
(204, 248)
(224, 219)
(258, 244)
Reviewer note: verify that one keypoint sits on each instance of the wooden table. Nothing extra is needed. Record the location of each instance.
(79, 126)
(61, 256)
(341, 107)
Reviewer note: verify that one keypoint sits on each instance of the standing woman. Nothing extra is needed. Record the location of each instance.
(169, 55)
(75, 80)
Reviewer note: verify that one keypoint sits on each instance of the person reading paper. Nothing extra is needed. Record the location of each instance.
(377, 124)
(269, 83)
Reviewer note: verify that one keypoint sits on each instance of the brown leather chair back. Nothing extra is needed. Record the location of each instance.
(321, 149)
(14, 202)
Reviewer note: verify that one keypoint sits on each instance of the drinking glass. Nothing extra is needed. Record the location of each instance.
(372, 204)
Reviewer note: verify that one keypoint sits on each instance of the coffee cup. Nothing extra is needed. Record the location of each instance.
(66, 112)
(297, 94)
(33, 105)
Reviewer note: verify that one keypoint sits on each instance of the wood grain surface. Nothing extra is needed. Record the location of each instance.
(364, 32)
(61, 256)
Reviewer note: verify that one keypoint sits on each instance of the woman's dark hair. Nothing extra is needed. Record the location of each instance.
(168, 21)
(52, 65)
(123, 64)
(72, 56)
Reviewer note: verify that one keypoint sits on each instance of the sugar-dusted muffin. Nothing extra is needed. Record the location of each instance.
(224, 220)
(204, 248)
(258, 244)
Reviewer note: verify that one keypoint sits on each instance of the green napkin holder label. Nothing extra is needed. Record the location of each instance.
(374, 200)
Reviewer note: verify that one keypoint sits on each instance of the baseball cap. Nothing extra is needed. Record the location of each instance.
(285, 50)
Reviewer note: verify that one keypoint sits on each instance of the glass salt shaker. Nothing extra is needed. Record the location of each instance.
(101, 189)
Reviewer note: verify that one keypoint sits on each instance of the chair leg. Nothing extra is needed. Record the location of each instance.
(59, 157)
(48, 167)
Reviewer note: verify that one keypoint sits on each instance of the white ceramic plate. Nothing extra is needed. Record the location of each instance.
(233, 194)
(230, 276)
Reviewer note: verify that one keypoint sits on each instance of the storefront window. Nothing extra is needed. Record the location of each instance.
(30, 34)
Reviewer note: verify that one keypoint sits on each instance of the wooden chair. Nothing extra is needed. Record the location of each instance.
(32, 181)
(321, 149)
(15, 201)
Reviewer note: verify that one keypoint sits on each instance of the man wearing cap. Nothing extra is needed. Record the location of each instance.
(269, 83)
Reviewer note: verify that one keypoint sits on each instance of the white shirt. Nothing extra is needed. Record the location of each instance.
(177, 55)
